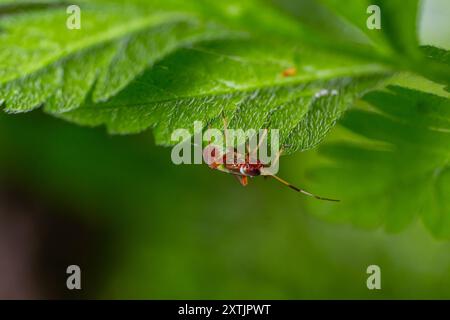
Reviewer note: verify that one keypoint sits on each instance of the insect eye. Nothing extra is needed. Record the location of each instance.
(253, 172)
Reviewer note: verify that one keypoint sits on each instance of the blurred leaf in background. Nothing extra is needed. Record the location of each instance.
(403, 173)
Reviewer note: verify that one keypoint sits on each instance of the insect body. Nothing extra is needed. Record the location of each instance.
(243, 169)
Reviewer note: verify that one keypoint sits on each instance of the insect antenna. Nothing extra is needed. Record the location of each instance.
(301, 190)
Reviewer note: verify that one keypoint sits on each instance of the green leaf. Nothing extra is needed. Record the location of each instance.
(243, 80)
(165, 64)
(343, 27)
(437, 64)
(347, 23)
(74, 60)
(402, 172)
(398, 22)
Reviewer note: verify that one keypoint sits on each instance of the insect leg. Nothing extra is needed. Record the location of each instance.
(242, 179)
(225, 130)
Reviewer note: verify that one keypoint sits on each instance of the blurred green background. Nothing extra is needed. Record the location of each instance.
(141, 227)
